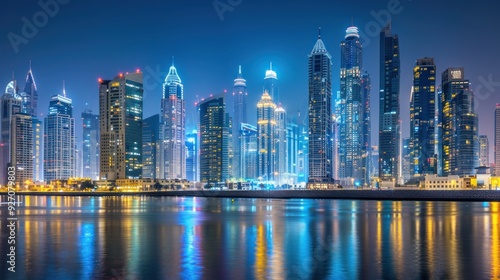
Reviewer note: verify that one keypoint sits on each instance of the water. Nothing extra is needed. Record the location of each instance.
(216, 238)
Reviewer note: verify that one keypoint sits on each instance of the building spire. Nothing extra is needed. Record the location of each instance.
(172, 60)
(239, 70)
(270, 66)
(64, 89)
(30, 65)
(319, 33)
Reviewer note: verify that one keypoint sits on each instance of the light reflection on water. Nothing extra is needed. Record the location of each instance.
(203, 238)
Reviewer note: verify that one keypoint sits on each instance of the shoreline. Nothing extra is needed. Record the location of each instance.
(417, 195)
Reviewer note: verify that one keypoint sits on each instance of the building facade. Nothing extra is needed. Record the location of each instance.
(460, 144)
(271, 84)
(90, 145)
(120, 115)
(240, 95)
(152, 153)
(266, 131)
(22, 147)
(497, 140)
(320, 117)
(280, 146)
(389, 120)
(422, 118)
(173, 113)
(192, 157)
(249, 151)
(213, 141)
(59, 140)
(350, 117)
(484, 151)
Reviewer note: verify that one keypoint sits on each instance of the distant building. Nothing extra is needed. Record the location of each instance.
(120, 114)
(90, 146)
(422, 118)
(213, 141)
(59, 140)
(484, 151)
(22, 147)
(280, 146)
(37, 149)
(292, 143)
(240, 95)
(271, 84)
(173, 114)
(320, 117)
(152, 153)
(249, 151)
(192, 158)
(266, 133)
(460, 145)
(406, 160)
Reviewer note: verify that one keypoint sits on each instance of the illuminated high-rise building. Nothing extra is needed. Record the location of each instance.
(173, 114)
(266, 131)
(366, 163)
(460, 145)
(30, 95)
(213, 141)
(240, 95)
(497, 140)
(90, 148)
(406, 159)
(280, 146)
(192, 158)
(320, 117)
(59, 140)
(389, 120)
(422, 118)
(10, 104)
(292, 149)
(152, 154)
(484, 151)
(249, 151)
(120, 116)
(351, 115)
(37, 149)
(271, 84)
(21, 156)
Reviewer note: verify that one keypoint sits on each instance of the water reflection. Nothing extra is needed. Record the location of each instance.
(204, 238)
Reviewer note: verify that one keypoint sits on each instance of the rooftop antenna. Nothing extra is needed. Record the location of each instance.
(239, 69)
(172, 60)
(319, 33)
(270, 66)
(64, 88)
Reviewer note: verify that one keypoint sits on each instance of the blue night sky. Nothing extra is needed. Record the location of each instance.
(89, 39)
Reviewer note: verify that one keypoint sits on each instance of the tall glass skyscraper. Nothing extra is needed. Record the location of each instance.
(10, 104)
(30, 95)
(484, 151)
(422, 118)
(266, 130)
(173, 113)
(460, 146)
(192, 158)
(351, 117)
(213, 141)
(22, 147)
(249, 151)
(389, 121)
(280, 146)
(120, 115)
(240, 95)
(59, 142)
(90, 149)
(366, 88)
(151, 148)
(320, 117)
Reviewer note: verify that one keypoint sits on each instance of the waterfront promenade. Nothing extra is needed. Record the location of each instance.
(402, 194)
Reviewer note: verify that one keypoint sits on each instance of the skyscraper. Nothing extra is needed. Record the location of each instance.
(249, 151)
(460, 146)
(151, 148)
(192, 158)
(320, 116)
(213, 141)
(271, 83)
(266, 133)
(422, 118)
(406, 159)
(497, 140)
(484, 151)
(239, 116)
(120, 115)
(292, 146)
(30, 95)
(37, 149)
(280, 146)
(351, 117)
(21, 156)
(10, 104)
(366, 162)
(389, 121)
(90, 149)
(59, 140)
(173, 113)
